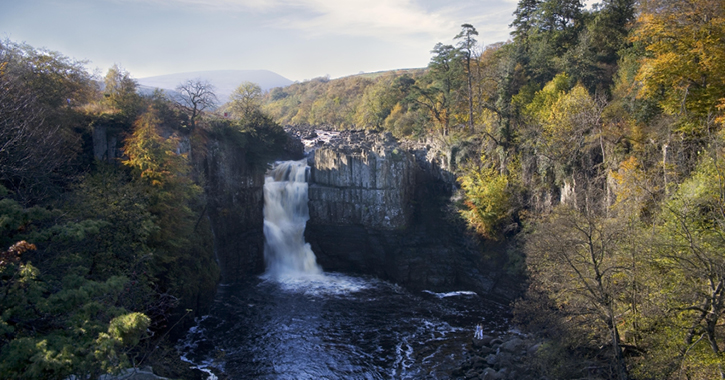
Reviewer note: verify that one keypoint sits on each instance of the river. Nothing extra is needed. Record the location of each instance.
(297, 322)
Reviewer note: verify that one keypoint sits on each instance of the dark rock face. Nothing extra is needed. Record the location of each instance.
(367, 182)
(235, 201)
(378, 208)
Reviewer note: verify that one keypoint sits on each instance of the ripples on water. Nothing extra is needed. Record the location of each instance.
(332, 326)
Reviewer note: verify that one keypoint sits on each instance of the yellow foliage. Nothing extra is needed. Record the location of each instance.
(151, 154)
(629, 179)
(486, 199)
(686, 65)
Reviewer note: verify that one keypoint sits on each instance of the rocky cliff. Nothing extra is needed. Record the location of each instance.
(376, 208)
(235, 165)
(361, 179)
(379, 208)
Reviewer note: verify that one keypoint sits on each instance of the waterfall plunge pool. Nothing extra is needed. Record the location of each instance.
(296, 322)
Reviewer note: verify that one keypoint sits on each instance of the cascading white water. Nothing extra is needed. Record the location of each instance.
(285, 214)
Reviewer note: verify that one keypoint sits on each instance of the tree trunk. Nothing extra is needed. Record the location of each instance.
(621, 366)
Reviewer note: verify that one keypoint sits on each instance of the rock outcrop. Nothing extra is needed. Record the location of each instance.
(376, 208)
(361, 180)
(382, 209)
(235, 201)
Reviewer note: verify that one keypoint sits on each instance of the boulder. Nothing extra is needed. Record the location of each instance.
(513, 345)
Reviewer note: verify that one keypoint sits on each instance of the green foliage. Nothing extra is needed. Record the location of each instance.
(120, 93)
(262, 139)
(53, 332)
(91, 269)
(245, 100)
(360, 101)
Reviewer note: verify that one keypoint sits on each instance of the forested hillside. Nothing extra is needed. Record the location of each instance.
(104, 243)
(591, 143)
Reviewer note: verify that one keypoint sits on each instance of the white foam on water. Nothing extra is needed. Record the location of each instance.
(460, 293)
(320, 284)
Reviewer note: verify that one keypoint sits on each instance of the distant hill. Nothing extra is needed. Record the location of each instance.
(225, 81)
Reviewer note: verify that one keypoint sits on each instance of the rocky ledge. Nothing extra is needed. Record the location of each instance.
(361, 178)
(383, 208)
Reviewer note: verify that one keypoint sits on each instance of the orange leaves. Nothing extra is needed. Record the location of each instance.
(12, 255)
(153, 155)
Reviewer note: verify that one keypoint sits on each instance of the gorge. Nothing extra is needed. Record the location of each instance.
(375, 208)
(402, 288)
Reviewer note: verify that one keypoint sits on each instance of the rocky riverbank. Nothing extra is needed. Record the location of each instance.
(509, 356)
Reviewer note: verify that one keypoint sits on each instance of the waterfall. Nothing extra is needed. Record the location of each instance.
(285, 214)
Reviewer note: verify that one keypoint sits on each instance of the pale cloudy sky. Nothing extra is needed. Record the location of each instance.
(298, 39)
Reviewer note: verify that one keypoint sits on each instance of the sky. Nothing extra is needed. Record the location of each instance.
(298, 39)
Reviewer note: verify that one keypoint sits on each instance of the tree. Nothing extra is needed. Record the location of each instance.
(379, 100)
(487, 200)
(574, 257)
(691, 250)
(245, 99)
(525, 19)
(466, 45)
(685, 68)
(38, 135)
(436, 91)
(120, 93)
(196, 96)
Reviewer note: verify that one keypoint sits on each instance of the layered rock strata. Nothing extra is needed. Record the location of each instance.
(378, 208)
(366, 181)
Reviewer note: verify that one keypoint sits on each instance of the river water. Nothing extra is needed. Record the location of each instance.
(296, 322)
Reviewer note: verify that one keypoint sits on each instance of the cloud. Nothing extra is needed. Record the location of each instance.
(390, 19)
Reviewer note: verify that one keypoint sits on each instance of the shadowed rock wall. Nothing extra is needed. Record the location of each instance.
(235, 198)
(376, 208)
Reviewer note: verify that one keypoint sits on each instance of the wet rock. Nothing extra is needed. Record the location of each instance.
(483, 351)
(489, 374)
(492, 359)
(479, 362)
(502, 373)
(485, 340)
(504, 359)
(459, 371)
(513, 345)
(531, 351)
(472, 374)
(145, 373)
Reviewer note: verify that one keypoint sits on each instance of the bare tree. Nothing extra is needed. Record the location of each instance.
(575, 257)
(32, 147)
(196, 96)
